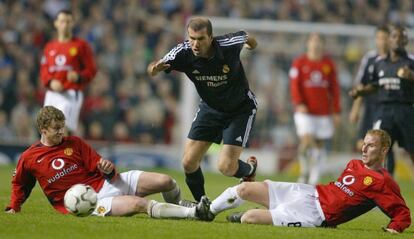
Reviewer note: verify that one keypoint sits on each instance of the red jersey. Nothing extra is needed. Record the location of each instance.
(60, 57)
(360, 189)
(314, 84)
(56, 168)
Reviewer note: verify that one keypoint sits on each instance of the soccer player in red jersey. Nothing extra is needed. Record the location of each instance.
(58, 162)
(363, 185)
(315, 95)
(67, 67)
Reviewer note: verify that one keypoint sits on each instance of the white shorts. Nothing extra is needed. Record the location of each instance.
(125, 184)
(294, 204)
(69, 102)
(321, 127)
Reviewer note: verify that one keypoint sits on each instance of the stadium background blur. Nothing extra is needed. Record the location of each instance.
(124, 105)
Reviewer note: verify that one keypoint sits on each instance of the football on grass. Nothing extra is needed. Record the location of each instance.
(80, 200)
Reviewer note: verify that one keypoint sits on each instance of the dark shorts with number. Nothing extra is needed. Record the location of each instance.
(215, 126)
(398, 120)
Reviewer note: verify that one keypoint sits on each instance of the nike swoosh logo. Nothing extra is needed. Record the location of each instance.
(40, 160)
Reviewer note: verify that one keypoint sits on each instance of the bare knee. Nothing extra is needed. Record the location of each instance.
(257, 216)
(249, 217)
(165, 182)
(226, 167)
(190, 164)
(244, 191)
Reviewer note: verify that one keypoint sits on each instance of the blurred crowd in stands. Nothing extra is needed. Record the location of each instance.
(123, 103)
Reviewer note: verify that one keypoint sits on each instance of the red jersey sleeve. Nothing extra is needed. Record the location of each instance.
(45, 75)
(22, 184)
(92, 158)
(391, 202)
(295, 83)
(334, 88)
(89, 68)
(89, 155)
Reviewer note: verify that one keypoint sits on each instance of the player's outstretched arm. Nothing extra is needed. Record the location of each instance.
(251, 43)
(362, 90)
(156, 67)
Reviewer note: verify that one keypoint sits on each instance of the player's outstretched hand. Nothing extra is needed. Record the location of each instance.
(390, 230)
(155, 67)
(10, 211)
(105, 166)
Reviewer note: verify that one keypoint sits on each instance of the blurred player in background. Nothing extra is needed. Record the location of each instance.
(315, 95)
(58, 162)
(369, 103)
(227, 109)
(67, 67)
(363, 185)
(393, 79)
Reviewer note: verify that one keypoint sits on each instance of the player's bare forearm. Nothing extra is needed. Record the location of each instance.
(156, 67)
(362, 91)
(355, 110)
(251, 43)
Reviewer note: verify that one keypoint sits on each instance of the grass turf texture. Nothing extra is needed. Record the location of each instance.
(39, 220)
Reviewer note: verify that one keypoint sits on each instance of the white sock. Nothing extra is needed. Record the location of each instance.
(168, 210)
(226, 200)
(172, 196)
(318, 161)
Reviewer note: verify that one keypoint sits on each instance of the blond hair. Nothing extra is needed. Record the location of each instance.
(384, 137)
(46, 115)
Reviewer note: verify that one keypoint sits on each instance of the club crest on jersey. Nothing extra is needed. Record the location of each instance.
(368, 180)
(68, 151)
(326, 69)
(101, 211)
(226, 68)
(73, 51)
(60, 60)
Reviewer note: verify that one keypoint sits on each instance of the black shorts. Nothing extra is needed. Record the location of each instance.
(214, 126)
(398, 120)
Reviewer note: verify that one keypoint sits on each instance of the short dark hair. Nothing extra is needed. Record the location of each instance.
(63, 11)
(383, 28)
(46, 115)
(199, 23)
(397, 26)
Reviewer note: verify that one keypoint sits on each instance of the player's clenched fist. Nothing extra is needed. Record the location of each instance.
(404, 72)
(56, 85)
(105, 166)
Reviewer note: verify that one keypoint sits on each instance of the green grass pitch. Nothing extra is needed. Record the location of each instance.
(39, 220)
